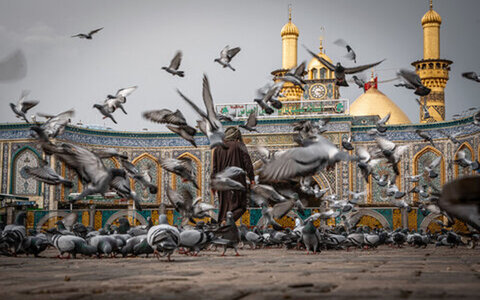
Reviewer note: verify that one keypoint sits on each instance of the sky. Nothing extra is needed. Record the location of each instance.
(139, 37)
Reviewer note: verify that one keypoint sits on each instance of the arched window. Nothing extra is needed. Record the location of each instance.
(148, 165)
(314, 73)
(459, 170)
(423, 159)
(177, 182)
(323, 73)
(21, 184)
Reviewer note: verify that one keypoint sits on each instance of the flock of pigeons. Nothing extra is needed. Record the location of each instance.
(282, 177)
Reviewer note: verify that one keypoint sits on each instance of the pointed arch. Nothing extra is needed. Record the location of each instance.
(418, 166)
(355, 218)
(157, 174)
(15, 175)
(464, 145)
(198, 164)
(374, 191)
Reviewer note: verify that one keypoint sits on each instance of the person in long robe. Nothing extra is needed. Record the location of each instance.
(234, 154)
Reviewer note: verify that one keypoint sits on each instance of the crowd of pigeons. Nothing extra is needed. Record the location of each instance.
(282, 177)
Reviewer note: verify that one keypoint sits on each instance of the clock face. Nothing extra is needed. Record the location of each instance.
(318, 91)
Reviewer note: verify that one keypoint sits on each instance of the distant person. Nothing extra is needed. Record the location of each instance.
(234, 154)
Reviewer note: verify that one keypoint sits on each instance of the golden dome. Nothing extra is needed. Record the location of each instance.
(289, 29)
(315, 63)
(431, 17)
(374, 102)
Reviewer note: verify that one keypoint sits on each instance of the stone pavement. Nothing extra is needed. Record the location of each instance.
(260, 274)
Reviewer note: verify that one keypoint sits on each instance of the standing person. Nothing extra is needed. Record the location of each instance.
(234, 154)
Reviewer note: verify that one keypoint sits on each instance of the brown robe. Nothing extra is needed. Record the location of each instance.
(235, 154)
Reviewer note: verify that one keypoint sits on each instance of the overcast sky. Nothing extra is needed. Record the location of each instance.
(140, 37)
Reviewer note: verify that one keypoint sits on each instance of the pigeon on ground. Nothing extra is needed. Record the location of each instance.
(182, 167)
(472, 76)
(295, 75)
(55, 124)
(351, 55)
(228, 235)
(310, 237)
(131, 243)
(35, 244)
(163, 238)
(70, 244)
(14, 234)
(23, 106)
(44, 173)
(165, 116)
(174, 65)
(226, 56)
(195, 240)
(425, 136)
(341, 71)
(412, 81)
(87, 36)
(13, 67)
(251, 122)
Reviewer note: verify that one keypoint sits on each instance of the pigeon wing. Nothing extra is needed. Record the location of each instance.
(208, 101)
(193, 105)
(95, 31)
(125, 92)
(252, 120)
(177, 59)
(325, 62)
(354, 70)
(232, 52)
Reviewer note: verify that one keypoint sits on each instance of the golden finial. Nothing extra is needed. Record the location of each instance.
(322, 29)
(431, 4)
(289, 13)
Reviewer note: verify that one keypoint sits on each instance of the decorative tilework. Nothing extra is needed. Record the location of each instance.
(21, 184)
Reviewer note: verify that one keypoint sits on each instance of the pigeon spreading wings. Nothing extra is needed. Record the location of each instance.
(165, 116)
(177, 59)
(89, 35)
(229, 53)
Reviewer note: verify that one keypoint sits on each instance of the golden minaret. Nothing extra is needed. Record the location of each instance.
(432, 70)
(289, 36)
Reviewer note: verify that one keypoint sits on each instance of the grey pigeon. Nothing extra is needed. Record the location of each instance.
(430, 169)
(120, 182)
(471, 75)
(141, 177)
(425, 136)
(251, 122)
(423, 107)
(103, 109)
(347, 143)
(165, 116)
(351, 55)
(55, 124)
(184, 131)
(122, 94)
(295, 75)
(228, 234)
(226, 56)
(310, 237)
(381, 123)
(341, 71)
(44, 173)
(70, 244)
(195, 240)
(464, 162)
(23, 106)
(182, 167)
(366, 162)
(174, 65)
(223, 180)
(14, 234)
(360, 82)
(87, 36)
(381, 180)
(412, 81)
(391, 152)
(452, 137)
(163, 238)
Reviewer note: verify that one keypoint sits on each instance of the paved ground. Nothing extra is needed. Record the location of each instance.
(268, 274)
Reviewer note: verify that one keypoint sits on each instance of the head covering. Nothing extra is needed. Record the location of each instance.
(232, 134)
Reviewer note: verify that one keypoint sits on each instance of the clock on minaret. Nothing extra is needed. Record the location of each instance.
(317, 91)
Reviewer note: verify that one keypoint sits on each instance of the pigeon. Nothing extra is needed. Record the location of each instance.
(14, 234)
(310, 237)
(13, 67)
(163, 238)
(452, 137)
(295, 75)
(223, 180)
(341, 71)
(103, 109)
(392, 190)
(195, 240)
(87, 36)
(226, 55)
(184, 131)
(366, 162)
(381, 180)
(402, 204)
(381, 123)
(213, 127)
(374, 131)
(351, 55)
(228, 235)
(134, 173)
(121, 184)
(414, 178)
(412, 82)
(356, 196)
(23, 106)
(303, 161)
(131, 243)
(430, 169)
(423, 107)
(268, 110)
(182, 202)
(253, 238)
(360, 82)
(174, 64)
(70, 244)
(165, 116)
(347, 143)
(269, 95)
(44, 173)
(121, 95)
(464, 162)
(104, 244)
(374, 240)
(35, 244)
(471, 75)
(251, 122)
(264, 194)
(55, 124)
(356, 239)
(391, 152)
(425, 136)
(182, 167)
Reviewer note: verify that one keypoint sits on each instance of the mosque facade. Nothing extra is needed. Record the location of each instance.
(320, 97)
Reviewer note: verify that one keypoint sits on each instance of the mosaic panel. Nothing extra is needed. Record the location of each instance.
(21, 184)
(459, 170)
(379, 194)
(423, 161)
(5, 168)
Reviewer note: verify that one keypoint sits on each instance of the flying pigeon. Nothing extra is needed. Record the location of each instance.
(351, 55)
(23, 106)
(226, 55)
(87, 36)
(412, 82)
(251, 122)
(174, 64)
